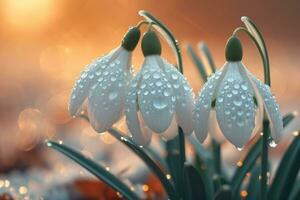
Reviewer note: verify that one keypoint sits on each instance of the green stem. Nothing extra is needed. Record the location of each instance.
(217, 156)
(251, 27)
(264, 160)
(264, 56)
(173, 42)
(216, 147)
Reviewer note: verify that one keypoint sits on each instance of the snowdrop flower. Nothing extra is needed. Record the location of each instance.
(103, 85)
(238, 98)
(159, 99)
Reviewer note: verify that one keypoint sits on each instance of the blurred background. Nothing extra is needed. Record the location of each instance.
(45, 44)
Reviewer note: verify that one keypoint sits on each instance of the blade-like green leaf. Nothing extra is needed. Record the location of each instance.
(148, 161)
(295, 194)
(95, 169)
(206, 173)
(206, 52)
(224, 193)
(194, 184)
(253, 188)
(167, 35)
(198, 63)
(286, 173)
(155, 155)
(250, 159)
(247, 165)
(176, 159)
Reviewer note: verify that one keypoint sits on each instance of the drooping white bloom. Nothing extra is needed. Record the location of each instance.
(239, 99)
(159, 99)
(103, 85)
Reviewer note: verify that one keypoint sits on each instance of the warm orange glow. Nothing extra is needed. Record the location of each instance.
(29, 14)
(244, 193)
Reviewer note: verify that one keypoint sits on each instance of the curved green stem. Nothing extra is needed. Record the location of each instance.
(176, 49)
(173, 42)
(253, 32)
(264, 57)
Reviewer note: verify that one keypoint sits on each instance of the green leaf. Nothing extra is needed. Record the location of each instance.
(197, 61)
(206, 52)
(148, 161)
(155, 155)
(253, 188)
(286, 173)
(247, 164)
(206, 173)
(250, 159)
(167, 35)
(224, 193)
(95, 169)
(176, 159)
(194, 184)
(295, 194)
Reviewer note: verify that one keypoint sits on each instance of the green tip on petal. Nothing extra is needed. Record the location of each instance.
(151, 44)
(131, 38)
(234, 49)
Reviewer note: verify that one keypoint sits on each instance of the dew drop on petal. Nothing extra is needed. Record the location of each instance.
(113, 95)
(160, 103)
(239, 148)
(237, 103)
(272, 144)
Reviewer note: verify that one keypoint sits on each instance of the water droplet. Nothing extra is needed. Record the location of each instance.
(156, 76)
(230, 79)
(166, 93)
(236, 86)
(113, 78)
(98, 73)
(175, 76)
(237, 103)
(160, 103)
(234, 92)
(239, 148)
(272, 144)
(143, 86)
(158, 83)
(84, 75)
(112, 95)
(227, 112)
(186, 88)
(244, 87)
(146, 75)
(220, 99)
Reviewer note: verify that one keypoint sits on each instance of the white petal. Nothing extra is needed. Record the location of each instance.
(271, 107)
(107, 99)
(184, 98)
(203, 104)
(155, 96)
(172, 131)
(135, 123)
(259, 112)
(214, 129)
(235, 107)
(87, 79)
